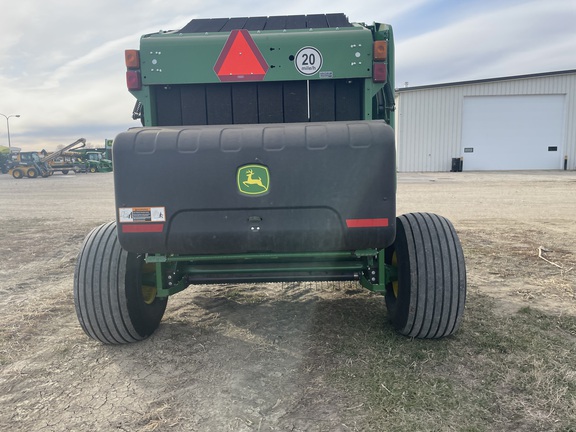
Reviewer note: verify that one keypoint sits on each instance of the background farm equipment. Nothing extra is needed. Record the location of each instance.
(96, 159)
(5, 156)
(27, 164)
(95, 162)
(66, 163)
(71, 158)
(32, 164)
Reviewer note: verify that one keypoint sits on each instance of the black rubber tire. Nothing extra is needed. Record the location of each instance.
(92, 169)
(65, 172)
(32, 173)
(108, 291)
(17, 174)
(431, 290)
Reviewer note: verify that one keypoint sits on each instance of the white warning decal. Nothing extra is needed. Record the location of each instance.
(308, 60)
(142, 214)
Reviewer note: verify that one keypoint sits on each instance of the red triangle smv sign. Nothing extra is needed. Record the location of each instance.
(240, 59)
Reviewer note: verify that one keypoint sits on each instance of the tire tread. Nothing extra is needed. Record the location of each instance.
(100, 275)
(437, 276)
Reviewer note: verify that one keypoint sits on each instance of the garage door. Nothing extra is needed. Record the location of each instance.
(512, 132)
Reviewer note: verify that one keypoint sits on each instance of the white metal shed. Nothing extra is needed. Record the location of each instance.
(525, 122)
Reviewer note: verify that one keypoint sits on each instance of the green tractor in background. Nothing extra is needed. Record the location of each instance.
(96, 162)
(97, 159)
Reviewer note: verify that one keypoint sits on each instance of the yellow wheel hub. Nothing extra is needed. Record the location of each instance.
(148, 294)
(148, 291)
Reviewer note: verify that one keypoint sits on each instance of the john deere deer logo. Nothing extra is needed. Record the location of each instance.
(253, 179)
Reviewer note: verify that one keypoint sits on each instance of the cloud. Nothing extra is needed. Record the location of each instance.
(80, 65)
(62, 61)
(526, 38)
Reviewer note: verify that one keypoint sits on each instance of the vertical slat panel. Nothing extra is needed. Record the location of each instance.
(296, 21)
(337, 20)
(348, 100)
(219, 104)
(270, 105)
(295, 101)
(205, 25)
(168, 106)
(234, 24)
(322, 102)
(245, 103)
(255, 23)
(275, 23)
(194, 104)
(316, 21)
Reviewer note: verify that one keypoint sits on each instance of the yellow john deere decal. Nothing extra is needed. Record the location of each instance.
(253, 179)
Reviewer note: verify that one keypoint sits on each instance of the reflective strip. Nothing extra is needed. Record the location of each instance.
(366, 223)
(142, 228)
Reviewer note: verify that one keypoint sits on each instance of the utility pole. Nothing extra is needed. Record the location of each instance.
(8, 125)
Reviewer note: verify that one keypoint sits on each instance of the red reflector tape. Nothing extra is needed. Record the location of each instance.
(142, 228)
(366, 223)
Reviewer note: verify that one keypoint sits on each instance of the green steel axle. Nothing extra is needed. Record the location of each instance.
(174, 273)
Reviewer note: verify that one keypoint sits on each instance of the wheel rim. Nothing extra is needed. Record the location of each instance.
(394, 263)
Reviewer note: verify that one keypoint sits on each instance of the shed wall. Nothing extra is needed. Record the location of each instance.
(429, 120)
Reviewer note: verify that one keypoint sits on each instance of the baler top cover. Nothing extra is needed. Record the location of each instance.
(257, 49)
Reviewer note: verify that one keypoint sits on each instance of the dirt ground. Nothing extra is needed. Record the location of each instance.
(239, 358)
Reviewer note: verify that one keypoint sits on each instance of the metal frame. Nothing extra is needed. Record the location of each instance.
(367, 266)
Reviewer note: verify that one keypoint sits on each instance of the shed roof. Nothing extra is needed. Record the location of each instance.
(487, 80)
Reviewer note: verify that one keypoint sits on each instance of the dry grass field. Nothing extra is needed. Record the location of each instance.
(306, 356)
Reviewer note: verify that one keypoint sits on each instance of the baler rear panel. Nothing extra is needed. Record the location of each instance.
(319, 195)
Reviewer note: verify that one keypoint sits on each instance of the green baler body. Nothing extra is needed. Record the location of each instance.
(219, 95)
(191, 55)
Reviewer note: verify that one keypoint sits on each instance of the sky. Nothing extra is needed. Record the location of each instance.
(62, 61)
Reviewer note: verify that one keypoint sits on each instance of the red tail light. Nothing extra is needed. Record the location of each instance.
(133, 77)
(379, 72)
(380, 66)
(133, 80)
